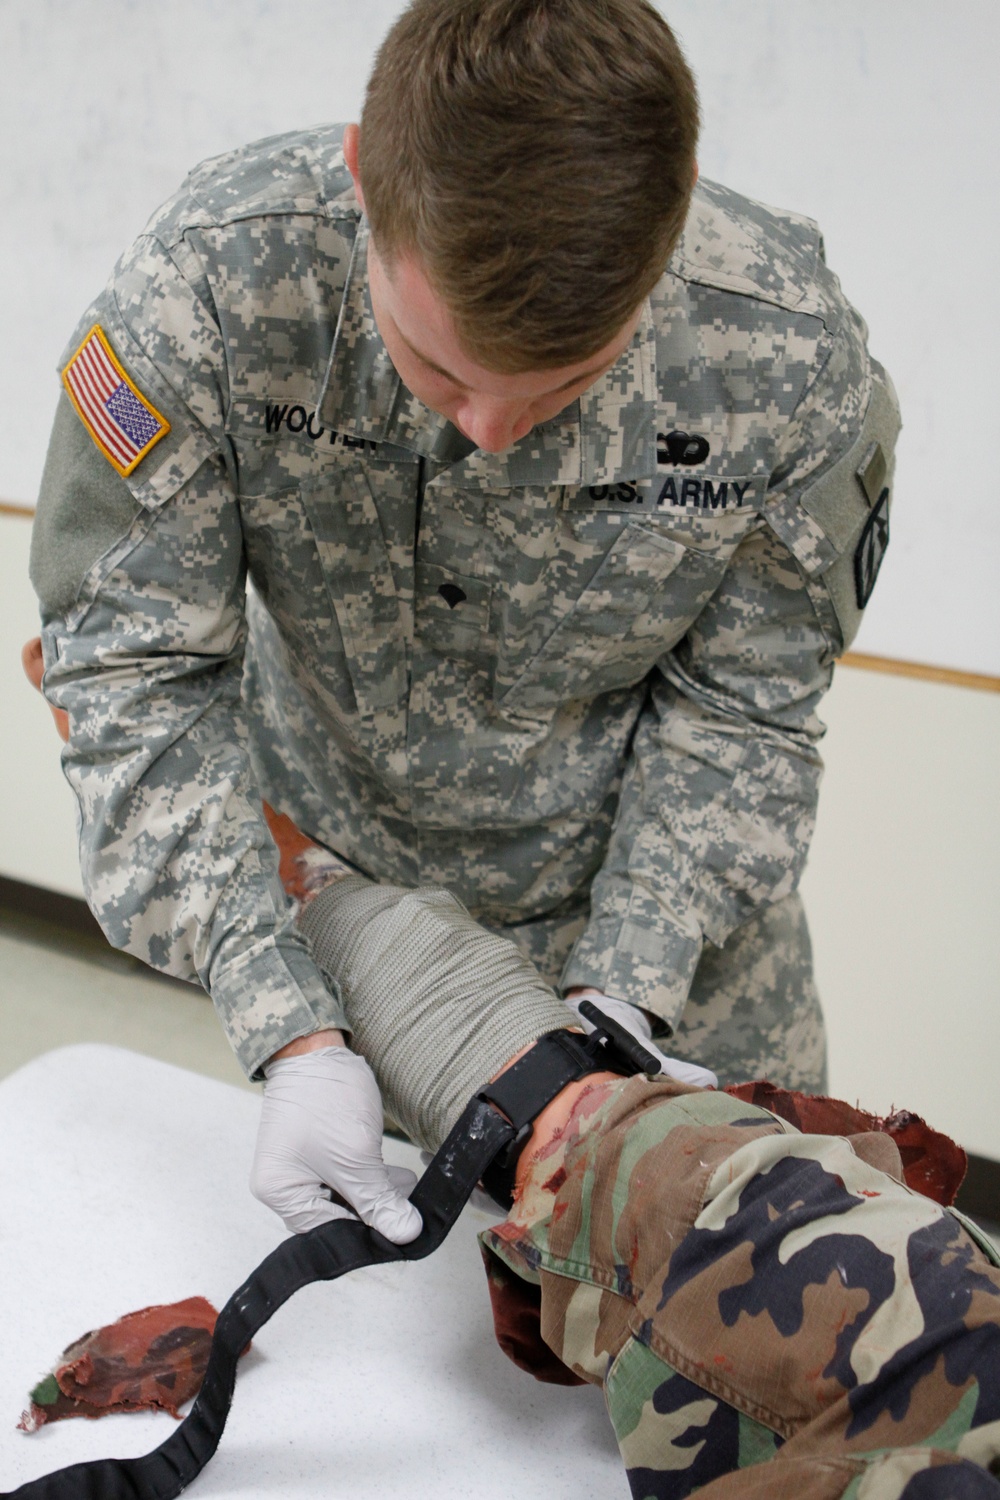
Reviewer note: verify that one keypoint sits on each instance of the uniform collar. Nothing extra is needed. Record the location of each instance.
(363, 396)
(606, 436)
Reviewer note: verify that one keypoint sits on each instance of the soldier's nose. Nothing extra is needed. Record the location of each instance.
(493, 428)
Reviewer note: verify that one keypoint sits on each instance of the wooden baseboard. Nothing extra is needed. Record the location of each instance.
(893, 667)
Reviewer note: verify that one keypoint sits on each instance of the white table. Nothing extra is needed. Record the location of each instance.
(123, 1183)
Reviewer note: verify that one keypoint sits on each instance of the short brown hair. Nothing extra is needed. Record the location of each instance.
(538, 157)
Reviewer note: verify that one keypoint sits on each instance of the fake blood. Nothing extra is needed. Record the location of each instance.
(932, 1163)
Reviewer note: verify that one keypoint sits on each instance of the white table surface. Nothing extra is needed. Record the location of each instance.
(123, 1183)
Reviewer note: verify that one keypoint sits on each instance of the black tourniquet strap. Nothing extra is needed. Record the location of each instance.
(556, 1059)
(321, 1255)
(324, 1254)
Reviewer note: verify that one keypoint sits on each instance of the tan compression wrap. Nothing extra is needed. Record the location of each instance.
(436, 1003)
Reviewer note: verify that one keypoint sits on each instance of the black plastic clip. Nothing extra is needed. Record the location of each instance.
(626, 1051)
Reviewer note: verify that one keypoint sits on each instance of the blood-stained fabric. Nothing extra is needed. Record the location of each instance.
(750, 1294)
(153, 1359)
(932, 1163)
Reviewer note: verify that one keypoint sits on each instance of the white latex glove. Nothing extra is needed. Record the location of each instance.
(321, 1127)
(637, 1022)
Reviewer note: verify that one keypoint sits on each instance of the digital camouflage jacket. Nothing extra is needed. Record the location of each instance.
(586, 667)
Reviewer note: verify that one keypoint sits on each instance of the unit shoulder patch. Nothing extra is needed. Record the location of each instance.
(871, 549)
(123, 424)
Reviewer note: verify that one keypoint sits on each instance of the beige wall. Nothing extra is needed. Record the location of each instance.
(902, 891)
(902, 886)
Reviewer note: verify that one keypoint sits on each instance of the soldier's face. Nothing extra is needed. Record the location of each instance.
(492, 410)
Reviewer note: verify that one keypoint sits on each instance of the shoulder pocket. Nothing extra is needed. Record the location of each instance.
(130, 413)
(837, 526)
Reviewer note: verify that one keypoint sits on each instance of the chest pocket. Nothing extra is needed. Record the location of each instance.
(355, 563)
(453, 613)
(611, 637)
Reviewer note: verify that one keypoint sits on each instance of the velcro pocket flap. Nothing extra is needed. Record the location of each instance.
(822, 521)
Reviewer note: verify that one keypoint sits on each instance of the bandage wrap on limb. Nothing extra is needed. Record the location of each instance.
(435, 1003)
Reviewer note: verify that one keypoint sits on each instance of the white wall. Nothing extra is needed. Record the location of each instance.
(106, 104)
(879, 117)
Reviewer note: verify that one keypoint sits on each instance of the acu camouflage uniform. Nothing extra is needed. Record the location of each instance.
(771, 1316)
(575, 683)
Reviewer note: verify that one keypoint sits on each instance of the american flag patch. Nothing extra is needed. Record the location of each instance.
(123, 424)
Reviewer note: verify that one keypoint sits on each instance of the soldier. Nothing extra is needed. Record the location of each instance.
(492, 501)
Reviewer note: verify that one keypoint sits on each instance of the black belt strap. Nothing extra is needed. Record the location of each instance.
(331, 1251)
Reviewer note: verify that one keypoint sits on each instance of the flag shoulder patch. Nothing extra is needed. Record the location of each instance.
(123, 424)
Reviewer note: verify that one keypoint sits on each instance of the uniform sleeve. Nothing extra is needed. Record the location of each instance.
(719, 798)
(141, 579)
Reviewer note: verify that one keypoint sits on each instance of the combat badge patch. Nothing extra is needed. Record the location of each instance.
(681, 448)
(123, 424)
(870, 550)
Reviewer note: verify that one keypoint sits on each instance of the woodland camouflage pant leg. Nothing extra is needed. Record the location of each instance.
(769, 1313)
(676, 1440)
(821, 1315)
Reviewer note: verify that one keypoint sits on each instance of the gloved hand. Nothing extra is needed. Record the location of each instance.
(637, 1022)
(321, 1127)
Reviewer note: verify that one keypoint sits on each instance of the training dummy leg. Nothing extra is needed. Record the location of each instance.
(747, 1293)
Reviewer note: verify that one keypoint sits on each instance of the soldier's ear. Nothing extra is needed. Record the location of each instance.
(694, 176)
(352, 142)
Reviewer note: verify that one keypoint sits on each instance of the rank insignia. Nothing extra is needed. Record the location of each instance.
(122, 423)
(870, 550)
(871, 473)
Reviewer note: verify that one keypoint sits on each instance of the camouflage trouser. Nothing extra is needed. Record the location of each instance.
(753, 1010)
(770, 1315)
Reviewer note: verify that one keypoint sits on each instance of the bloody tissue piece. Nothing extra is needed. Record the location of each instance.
(932, 1163)
(153, 1359)
(304, 867)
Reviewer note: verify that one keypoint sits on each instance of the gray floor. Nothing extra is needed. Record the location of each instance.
(57, 988)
